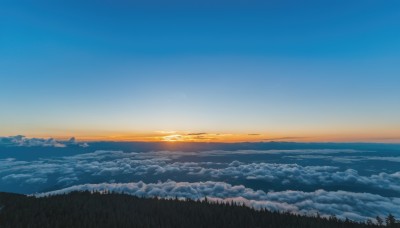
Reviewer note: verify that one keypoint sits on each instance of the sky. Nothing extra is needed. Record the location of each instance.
(201, 70)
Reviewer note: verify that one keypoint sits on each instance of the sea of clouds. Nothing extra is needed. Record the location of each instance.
(308, 188)
(355, 206)
(112, 164)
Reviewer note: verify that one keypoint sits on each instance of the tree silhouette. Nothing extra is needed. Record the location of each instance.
(379, 220)
(107, 209)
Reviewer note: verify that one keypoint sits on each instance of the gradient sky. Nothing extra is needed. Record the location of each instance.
(232, 70)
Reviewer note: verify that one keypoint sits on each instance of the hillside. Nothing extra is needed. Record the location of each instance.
(84, 209)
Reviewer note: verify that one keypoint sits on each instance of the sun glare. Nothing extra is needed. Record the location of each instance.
(173, 138)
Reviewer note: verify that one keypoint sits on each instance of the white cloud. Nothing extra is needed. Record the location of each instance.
(21, 140)
(309, 175)
(25, 178)
(67, 180)
(117, 163)
(178, 154)
(339, 203)
(345, 159)
(107, 165)
(272, 171)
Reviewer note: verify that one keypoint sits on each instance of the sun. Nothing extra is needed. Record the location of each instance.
(173, 138)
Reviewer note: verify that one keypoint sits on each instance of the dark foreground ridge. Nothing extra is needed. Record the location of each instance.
(85, 209)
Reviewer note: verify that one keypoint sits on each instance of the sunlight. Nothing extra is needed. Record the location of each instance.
(173, 138)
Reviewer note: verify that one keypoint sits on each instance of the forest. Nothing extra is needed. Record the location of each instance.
(88, 209)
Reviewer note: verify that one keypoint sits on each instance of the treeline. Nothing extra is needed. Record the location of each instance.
(85, 209)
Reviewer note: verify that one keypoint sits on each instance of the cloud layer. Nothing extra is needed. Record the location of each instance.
(217, 175)
(339, 203)
(117, 164)
(21, 140)
(309, 175)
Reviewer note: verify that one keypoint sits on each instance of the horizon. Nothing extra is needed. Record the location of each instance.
(182, 138)
(178, 141)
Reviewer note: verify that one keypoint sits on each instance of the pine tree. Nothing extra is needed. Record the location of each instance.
(390, 221)
(379, 220)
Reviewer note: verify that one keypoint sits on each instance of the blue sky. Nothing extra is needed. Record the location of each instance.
(327, 69)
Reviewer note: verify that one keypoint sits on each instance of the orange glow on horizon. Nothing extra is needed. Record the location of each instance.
(181, 136)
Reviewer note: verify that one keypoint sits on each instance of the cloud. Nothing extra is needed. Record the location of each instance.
(26, 178)
(23, 141)
(326, 203)
(346, 159)
(285, 138)
(213, 153)
(272, 172)
(309, 175)
(67, 180)
(103, 166)
(119, 165)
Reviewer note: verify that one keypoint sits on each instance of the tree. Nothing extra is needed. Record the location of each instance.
(390, 220)
(86, 209)
(379, 220)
